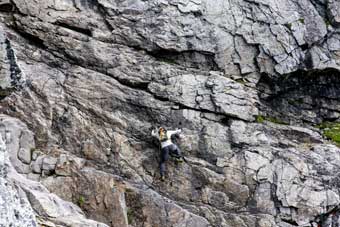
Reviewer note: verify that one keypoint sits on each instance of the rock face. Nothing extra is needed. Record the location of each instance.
(15, 210)
(29, 203)
(248, 81)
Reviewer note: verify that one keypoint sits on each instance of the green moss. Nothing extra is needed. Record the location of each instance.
(289, 26)
(302, 20)
(241, 81)
(259, 119)
(324, 125)
(331, 130)
(81, 200)
(327, 22)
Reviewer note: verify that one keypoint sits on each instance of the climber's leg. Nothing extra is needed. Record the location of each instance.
(164, 158)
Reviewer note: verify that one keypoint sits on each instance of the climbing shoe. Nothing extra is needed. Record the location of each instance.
(162, 178)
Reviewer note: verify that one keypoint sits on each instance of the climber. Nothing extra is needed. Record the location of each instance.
(168, 148)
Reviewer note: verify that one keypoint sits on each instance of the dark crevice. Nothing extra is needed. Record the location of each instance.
(161, 98)
(318, 83)
(6, 7)
(225, 120)
(291, 222)
(304, 47)
(329, 219)
(308, 61)
(191, 58)
(321, 8)
(142, 86)
(32, 40)
(184, 107)
(83, 31)
(14, 67)
(302, 96)
(273, 190)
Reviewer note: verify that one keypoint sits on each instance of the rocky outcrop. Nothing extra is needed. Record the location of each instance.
(15, 209)
(25, 202)
(248, 81)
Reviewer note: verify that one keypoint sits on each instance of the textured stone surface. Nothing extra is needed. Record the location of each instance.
(15, 210)
(246, 80)
(25, 202)
(19, 141)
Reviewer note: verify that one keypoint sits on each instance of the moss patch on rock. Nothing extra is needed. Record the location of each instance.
(81, 201)
(261, 119)
(331, 130)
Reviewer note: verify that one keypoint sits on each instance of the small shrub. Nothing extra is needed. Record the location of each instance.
(302, 20)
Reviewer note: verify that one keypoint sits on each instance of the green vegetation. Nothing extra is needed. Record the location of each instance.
(81, 200)
(289, 26)
(302, 20)
(241, 81)
(261, 119)
(331, 130)
(327, 22)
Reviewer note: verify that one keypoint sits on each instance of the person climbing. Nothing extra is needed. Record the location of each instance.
(167, 147)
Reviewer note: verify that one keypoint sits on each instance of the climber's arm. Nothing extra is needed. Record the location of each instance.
(177, 131)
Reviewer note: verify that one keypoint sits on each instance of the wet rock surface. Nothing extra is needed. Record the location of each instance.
(82, 82)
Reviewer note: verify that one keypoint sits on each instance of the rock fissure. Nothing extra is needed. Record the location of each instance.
(16, 73)
(301, 92)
